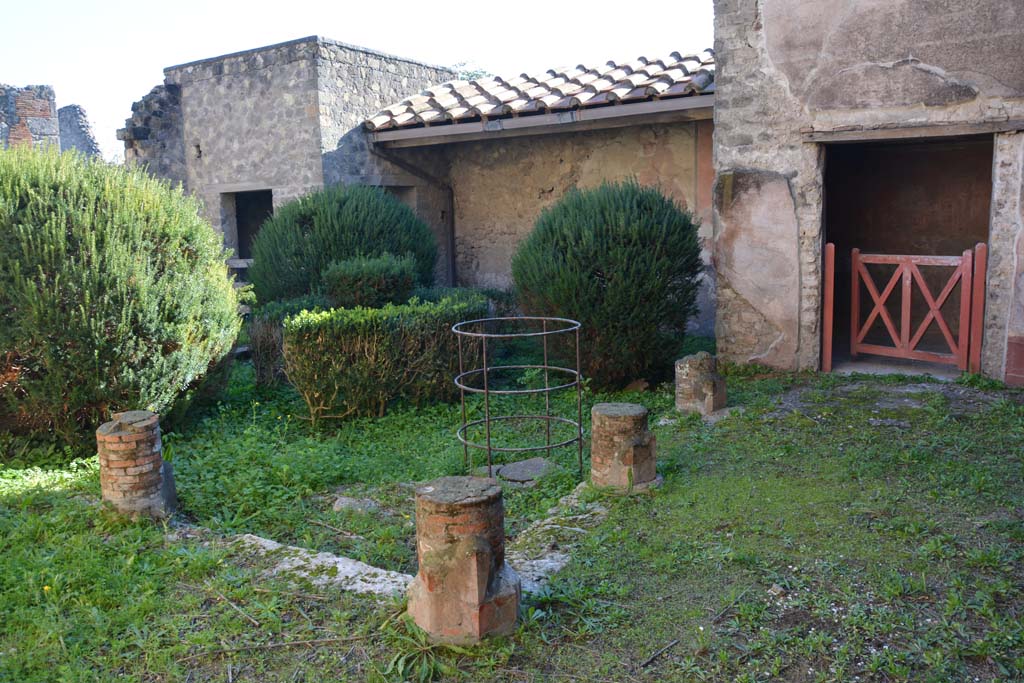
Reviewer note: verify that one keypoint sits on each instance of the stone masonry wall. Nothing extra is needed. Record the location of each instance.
(502, 186)
(154, 136)
(354, 84)
(28, 116)
(76, 131)
(251, 122)
(785, 67)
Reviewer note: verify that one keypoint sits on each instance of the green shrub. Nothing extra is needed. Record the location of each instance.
(623, 260)
(294, 247)
(370, 281)
(265, 340)
(355, 361)
(114, 293)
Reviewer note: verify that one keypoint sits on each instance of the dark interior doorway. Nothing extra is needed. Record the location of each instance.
(925, 197)
(251, 210)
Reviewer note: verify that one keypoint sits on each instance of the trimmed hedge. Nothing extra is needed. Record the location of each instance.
(114, 293)
(294, 247)
(624, 260)
(356, 361)
(370, 281)
(265, 334)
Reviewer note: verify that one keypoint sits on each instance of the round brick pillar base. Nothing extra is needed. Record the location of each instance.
(463, 591)
(622, 449)
(133, 476)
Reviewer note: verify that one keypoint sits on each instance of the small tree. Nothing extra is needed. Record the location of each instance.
(622, 259)
(114, 293)
(297, 244)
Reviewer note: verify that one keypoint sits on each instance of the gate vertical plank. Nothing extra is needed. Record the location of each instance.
(830, 286)
(908, 281)
(854, 301)
(978, 304)
(964, 324)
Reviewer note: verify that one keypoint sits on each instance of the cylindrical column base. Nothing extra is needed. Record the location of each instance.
(622, 450)
(133, 476)
(463, 590)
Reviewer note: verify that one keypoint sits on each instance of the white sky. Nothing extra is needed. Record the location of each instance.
(106, 55)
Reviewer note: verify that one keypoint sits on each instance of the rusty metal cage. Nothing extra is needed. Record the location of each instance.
(490, 331)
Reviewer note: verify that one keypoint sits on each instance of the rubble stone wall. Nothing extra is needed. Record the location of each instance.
(28, 116)
(76, 131)
(788, 67)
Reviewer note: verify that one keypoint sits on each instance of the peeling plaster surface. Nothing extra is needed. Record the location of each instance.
(325, 569)
(501, 187)
(788, 66)
(542, 549)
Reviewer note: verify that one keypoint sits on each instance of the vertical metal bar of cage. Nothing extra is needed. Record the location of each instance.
(579, 404)
(547, 391)
(462, 399)
(487, 411)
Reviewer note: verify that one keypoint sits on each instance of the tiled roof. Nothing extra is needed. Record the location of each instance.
(554, 90)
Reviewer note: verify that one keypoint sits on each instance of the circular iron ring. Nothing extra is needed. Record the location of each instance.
(517, 392)
(460, 433)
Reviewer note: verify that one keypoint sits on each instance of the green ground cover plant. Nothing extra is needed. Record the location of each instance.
(837, 529)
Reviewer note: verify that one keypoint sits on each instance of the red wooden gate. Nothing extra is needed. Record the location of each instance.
(968, 271)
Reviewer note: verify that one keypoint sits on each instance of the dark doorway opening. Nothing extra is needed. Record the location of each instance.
(923, 197)
(251, 210)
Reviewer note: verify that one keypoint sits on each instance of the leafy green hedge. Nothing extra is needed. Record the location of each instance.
(370, 281)
(622, 259)
(265, 334)
(295, 246)
(356, 361)
(114, 293)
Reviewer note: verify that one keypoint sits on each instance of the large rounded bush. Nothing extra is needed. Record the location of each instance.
(114, 293)
(294, 247)
(623, 260)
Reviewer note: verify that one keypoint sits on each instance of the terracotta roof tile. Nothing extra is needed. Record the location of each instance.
(578, 87)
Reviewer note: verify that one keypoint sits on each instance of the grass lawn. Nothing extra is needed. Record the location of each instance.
(837, 529)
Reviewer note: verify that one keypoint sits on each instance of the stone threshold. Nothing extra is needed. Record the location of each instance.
(537, 553)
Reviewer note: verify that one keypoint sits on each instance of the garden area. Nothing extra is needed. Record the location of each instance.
(821, 528)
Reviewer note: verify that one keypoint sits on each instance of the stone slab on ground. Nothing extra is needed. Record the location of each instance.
(357, 504)
(519, 473)
(544, 548)
(325, 569)
(963, 401)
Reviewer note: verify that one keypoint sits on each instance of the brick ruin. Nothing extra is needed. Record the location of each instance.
(797, 80)
(30, 116)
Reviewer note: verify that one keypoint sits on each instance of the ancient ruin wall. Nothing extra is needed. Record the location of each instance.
(153, 136)
(76, 131)
(356, 83)
(785, 67)
(251, 122)
(502, 186)
(28, 116)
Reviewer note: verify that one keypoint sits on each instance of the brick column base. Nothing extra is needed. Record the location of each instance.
(463, 591)
(699, 387)
(133, 476)
(622, 449)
